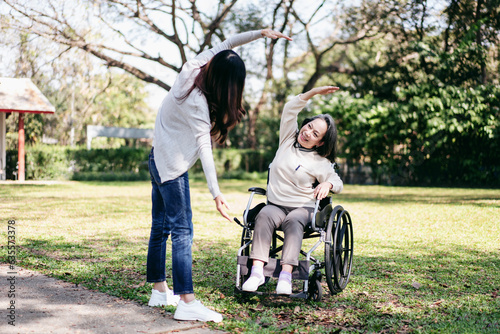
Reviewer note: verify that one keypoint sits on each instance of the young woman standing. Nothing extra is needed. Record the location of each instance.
(204, 102)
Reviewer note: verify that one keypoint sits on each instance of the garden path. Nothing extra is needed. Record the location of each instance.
(46, 305)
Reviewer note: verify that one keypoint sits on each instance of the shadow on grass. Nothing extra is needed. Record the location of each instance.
(425, 198)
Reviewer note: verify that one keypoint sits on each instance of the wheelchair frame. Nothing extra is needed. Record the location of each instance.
(332, 225)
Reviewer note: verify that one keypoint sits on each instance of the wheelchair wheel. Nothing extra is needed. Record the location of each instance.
(315, 290)
(338, 250)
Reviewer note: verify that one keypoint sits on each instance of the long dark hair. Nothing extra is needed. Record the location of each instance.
(222, 80)
(329, 140)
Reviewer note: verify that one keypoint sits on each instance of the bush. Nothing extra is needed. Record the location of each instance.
(123, 159)
(111, 176)
(49, 162)
(238, 161)
(438, 136)
(42, 162)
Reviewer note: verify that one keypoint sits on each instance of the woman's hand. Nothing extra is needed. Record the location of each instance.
(318, 90)
(273, 34)
(322, 190)
(220, 203)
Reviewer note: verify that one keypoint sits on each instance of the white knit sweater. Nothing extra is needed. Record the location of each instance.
(182, 128)
(294, 169)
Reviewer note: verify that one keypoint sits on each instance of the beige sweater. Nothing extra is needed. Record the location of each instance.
(294, 169)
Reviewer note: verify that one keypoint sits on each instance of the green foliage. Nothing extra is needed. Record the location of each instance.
(123, 159)
(111, 176)
(239, 163)
(42, 162)
(431, 135)
(53, 162)
(120, 164)
(462, 66)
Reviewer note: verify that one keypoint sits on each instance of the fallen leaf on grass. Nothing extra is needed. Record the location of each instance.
(437, 303)
(257, 307)
(243, 315)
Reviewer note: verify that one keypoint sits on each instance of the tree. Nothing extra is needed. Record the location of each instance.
(156, 36)
(96, 26)
(82, 94)
(437, 123)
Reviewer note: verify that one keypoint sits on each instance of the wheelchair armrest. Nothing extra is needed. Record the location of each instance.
(322, 216)
(258, 190)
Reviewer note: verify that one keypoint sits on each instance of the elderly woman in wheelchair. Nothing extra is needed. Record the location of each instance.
(300, 175)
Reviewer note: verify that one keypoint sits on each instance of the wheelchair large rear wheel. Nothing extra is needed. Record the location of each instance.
(338, 250)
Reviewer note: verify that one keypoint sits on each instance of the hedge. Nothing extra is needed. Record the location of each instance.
(52, 162)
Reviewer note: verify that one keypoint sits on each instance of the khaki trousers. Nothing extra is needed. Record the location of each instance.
(291, 220)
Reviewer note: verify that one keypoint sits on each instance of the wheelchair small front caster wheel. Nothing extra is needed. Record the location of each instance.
(315, 291)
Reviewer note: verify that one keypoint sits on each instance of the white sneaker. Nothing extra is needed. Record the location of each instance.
(163, 298)
(252, 283)
(284, 287)
(196, 311)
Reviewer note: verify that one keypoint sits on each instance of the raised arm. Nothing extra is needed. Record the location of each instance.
(318, 90)
(237, 40)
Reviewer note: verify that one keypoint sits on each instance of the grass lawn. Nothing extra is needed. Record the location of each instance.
(426, 260)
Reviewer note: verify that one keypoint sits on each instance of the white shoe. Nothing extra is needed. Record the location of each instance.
(252, 283)
(284, 287)
(163, 298)
(196, 311)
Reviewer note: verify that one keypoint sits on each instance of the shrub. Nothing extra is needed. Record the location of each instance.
(51, 162)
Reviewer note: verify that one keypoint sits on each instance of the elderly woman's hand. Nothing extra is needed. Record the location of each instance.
(322, 190)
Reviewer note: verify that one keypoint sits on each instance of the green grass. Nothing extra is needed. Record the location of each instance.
(427, 260)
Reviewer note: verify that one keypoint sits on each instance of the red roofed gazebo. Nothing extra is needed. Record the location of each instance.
(22, 96)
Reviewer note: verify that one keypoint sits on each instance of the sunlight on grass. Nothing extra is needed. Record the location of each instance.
(425, 259)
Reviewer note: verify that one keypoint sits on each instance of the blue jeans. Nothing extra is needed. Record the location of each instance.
(171, 215)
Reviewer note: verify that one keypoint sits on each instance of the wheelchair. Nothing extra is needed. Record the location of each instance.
(333, 226)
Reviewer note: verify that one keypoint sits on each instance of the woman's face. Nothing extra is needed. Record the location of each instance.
(311, 134)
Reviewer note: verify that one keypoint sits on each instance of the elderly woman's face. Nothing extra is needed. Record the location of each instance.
(311, 135)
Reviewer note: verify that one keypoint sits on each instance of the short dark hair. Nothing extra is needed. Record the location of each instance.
(222, 81)
(329, 140)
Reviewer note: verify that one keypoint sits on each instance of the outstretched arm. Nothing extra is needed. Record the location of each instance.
(236, 40)
(273, 34)
(318, 90)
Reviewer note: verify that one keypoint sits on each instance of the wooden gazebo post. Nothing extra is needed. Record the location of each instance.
(20, 149)
(22, 96)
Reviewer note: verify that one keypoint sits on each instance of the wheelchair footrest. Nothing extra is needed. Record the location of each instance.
(301, 295)
(273, 268)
